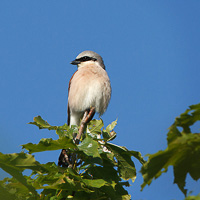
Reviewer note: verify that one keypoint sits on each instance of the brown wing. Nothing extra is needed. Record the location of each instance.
(68, 108)
(68, 114)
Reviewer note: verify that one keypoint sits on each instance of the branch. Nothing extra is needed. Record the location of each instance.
(64, 159)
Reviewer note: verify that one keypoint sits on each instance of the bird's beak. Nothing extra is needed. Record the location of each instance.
(75, 62)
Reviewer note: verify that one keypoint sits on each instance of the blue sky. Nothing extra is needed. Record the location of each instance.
(151, 50)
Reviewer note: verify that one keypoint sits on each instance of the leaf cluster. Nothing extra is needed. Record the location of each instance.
(103, 170)
(183, 152)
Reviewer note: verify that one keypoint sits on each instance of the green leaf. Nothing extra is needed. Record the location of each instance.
(66, 132)
(108, 133)
(193, 197)
(10, 164)
(95, 126)
(21, 160)
(58, 178)
(96, 183)
(126, 166)
(42, 124)
(138, 155)
(108, 136)
(107, 173)
(47, 144)
(5, 195)
(115, 193)
(11, 189)
(67, 185)
(173, 133)
(183, 154)
(183, 151)
(188, 118)
(126, 197)
(89, 147)
(111, 126)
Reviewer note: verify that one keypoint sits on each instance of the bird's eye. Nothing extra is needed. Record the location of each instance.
(85, 58)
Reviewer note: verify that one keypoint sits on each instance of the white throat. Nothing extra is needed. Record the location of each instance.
(87, 63)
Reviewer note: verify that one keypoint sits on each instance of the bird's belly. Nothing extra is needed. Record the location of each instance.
(90, 87)
(95, 95)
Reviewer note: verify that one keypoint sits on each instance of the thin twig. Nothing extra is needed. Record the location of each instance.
(59, 192)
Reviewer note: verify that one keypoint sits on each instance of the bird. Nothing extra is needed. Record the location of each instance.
(88, 87)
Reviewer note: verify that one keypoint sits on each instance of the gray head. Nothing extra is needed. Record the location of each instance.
(88, 56)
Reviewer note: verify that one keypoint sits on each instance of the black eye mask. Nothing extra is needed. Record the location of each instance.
(82, 59)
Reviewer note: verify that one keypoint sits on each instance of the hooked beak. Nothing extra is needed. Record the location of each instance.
(75, 62)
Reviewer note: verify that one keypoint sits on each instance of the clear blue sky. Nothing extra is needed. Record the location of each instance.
(152, 53)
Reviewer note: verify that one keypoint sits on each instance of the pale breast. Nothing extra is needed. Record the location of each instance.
(90, 86)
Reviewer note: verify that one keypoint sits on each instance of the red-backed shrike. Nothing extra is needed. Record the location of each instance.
(88, 87)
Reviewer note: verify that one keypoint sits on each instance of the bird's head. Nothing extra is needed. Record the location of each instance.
(88, 56)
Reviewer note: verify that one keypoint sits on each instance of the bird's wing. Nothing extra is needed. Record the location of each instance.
(68, 108)
(68, 114)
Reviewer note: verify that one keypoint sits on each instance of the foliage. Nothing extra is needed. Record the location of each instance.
(193, 197)
(183, 152)
(104, 168)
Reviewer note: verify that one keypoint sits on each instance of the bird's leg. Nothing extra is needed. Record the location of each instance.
(90, 115)
(87, 117)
